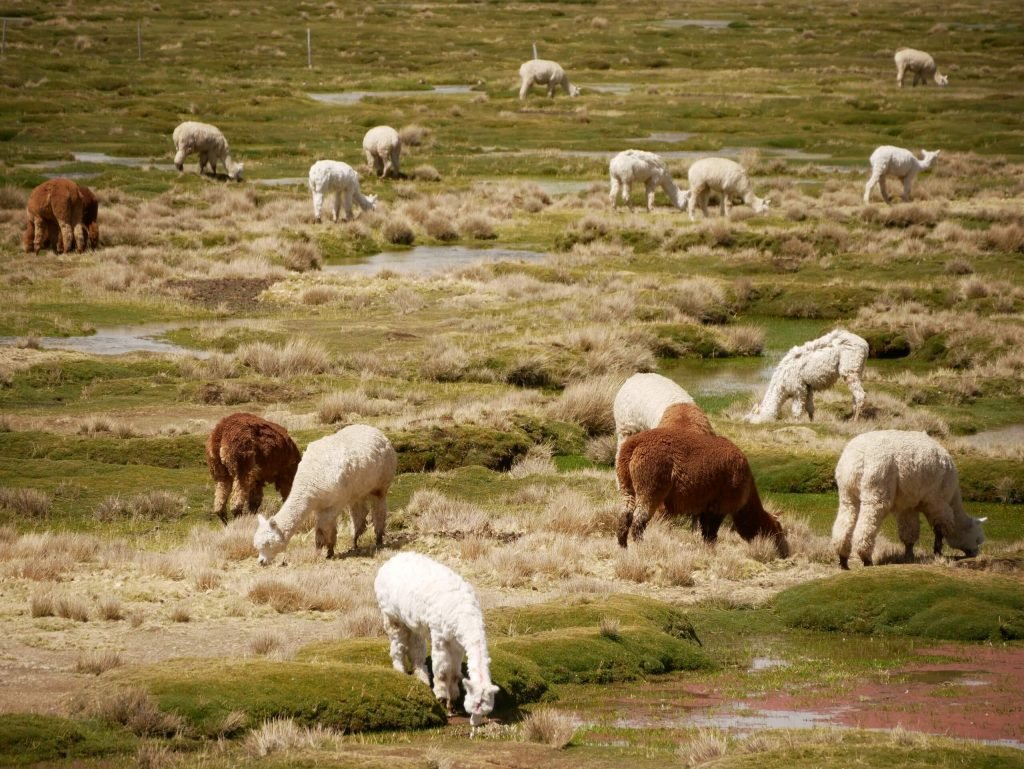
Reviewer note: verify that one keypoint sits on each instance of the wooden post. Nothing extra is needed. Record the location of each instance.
(309, 48)
(535, 50)
(138, 35)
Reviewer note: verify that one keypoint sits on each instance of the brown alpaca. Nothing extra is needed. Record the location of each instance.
(247, 451)
(52, 237)
(57, 202)
(684, 466)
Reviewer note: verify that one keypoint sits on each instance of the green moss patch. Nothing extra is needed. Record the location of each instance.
(908, 600)
(349, 697)
(27, 738)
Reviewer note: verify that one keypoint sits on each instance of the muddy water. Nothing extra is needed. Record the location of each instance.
(117, 340)
(426, 260)
(352, 97)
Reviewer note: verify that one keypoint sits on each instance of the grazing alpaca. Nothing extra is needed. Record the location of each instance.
(898, 162)
(921, 64)
(56, 205)
(52, 237)
(814, 365)
(641, 402)
(419, 597)
(351, 469)
(725, 177)
(692, 473)
(903, 473)
(544, 72)
(211, 145)
(341, 179)
(246, 451)
(383, 147)
(639, 166)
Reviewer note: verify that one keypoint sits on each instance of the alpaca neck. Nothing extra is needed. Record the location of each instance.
(752, 200)
(471, 636)
(770, 405)
(288, 518)
(671, 190)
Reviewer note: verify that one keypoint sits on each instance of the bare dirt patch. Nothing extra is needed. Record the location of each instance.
(234, 293)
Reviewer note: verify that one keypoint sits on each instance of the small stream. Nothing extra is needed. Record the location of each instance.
(343, 98)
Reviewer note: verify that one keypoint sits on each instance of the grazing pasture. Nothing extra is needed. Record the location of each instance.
(140, 631)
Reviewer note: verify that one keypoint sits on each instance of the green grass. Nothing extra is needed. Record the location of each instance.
(27, 739)
(911, 601)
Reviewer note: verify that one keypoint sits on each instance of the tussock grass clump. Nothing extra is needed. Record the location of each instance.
(109, 608)
(1007, 238)
(41, 605)
(298, 357)
(98, 662)
(319, 295)
(361, 622)
(134, 709)
(265, 643)
(588, 403)
(234, 542)
(570, 513)
(743, 340)
(279, 735)
(549, 727)
(303, 256)
(181, 613)
(478, 226)
(206, 580)
(25, 502)
(341, 405)
(536, 461)
(150, 505)
(705, 746)
(426, 173)
(306, 592)
(445, 362)
(439, 515)
(439, 226)
(397, 231)
(414, 135)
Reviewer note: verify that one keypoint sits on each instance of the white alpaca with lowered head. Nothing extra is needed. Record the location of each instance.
(334, 176)
(647, 168)
(422, 598)
(211, 145)
(353, 468)
(898, 162)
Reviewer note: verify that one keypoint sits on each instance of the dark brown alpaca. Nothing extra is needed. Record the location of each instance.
(684, 466)
(52, 237)
(248, 451)
(57, 203)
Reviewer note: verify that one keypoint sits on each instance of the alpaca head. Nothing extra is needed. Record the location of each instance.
(761, 206)
(968, 538)
(268, 540)
(574, 90)
(372, 200)
(479, 700)
(235, 174)
(941, 79)
(928, 158)
(684, 199)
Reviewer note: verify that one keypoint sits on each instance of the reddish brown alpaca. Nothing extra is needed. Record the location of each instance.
(57, 202)
(684, 466)
(247, 451)
(52, 237)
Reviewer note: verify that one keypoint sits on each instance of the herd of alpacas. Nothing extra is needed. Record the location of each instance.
(668, 461)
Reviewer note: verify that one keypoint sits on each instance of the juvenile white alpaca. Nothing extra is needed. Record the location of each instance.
(420, 597)
(725, 177)
(544, 72)
(341, 179)
(641, 402)
(903, 473)
(631, 166)
(351, 469)
(814, 365)
(211, 145)
(898, 162)
(921, 64)
(383, 147)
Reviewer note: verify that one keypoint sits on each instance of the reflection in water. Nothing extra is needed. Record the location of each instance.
(352, 97)
(424, 260)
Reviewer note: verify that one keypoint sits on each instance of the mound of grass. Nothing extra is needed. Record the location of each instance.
(908, 600)
(27, 738)
(347, 697)
(588, 611)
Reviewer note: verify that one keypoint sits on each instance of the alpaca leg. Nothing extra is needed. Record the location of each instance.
(337, 206)
(68, 236)
(284, 487)
(626, 520)
(455, 656)
(39, 227)
(650, 194)
(691, 204)
(857, 391)
(869, 521)
(358, 513)
(418, 657)
(255, 497)
(326, 532)
(524, 88)
(867, 187)
(221, 492)
(908, 182)
(81, 238)
(551, 90)
(613, 196)
(710, 522)
(401, 643)
(900, 71)
(318, 204)
(202, 162)
(842, 529)
(348, 205)
(379, 507)
(440, 657)
(648, 508)
(705, 196)
(808, 403)
(908, 527)
(883, 190)
(723, 208)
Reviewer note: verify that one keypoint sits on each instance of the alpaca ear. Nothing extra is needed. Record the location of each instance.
(493, 689)
(982, 520)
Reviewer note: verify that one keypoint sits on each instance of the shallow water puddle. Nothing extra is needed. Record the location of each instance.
(668, 137)
(353, 97)
(113, 160)
(425, 260)
(607, 87)
(702, 23)
(1012, 435)
(117, 340)
(766, 663)
(283, 181)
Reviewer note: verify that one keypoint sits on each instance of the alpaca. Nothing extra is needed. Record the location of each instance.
(247, 451)
(639, 166)
(903, 473)
(56, 205)
(383, 147)
(52, 237)
(419, 597)
(898, 162)
(814, 365)
(725, 177)
(211, 145)
(352, 468)
(921, 64)
(695, 474)
(544, 72)
(341, 179)
(641, 402)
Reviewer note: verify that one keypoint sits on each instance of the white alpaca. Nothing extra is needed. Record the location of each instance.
(631, 166)
(921, 64)
(898, 162)
(814, 365)
(352, 468)
(420, 597)
(544, 72)
(341, 179)
(903, 473)
(211, 145)
(641, 402)
(725, 177)
(383, 147)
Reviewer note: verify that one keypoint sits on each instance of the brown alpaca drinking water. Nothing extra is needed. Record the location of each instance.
(684, 466)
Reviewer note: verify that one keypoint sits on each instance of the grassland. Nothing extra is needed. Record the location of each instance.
(124, 603)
